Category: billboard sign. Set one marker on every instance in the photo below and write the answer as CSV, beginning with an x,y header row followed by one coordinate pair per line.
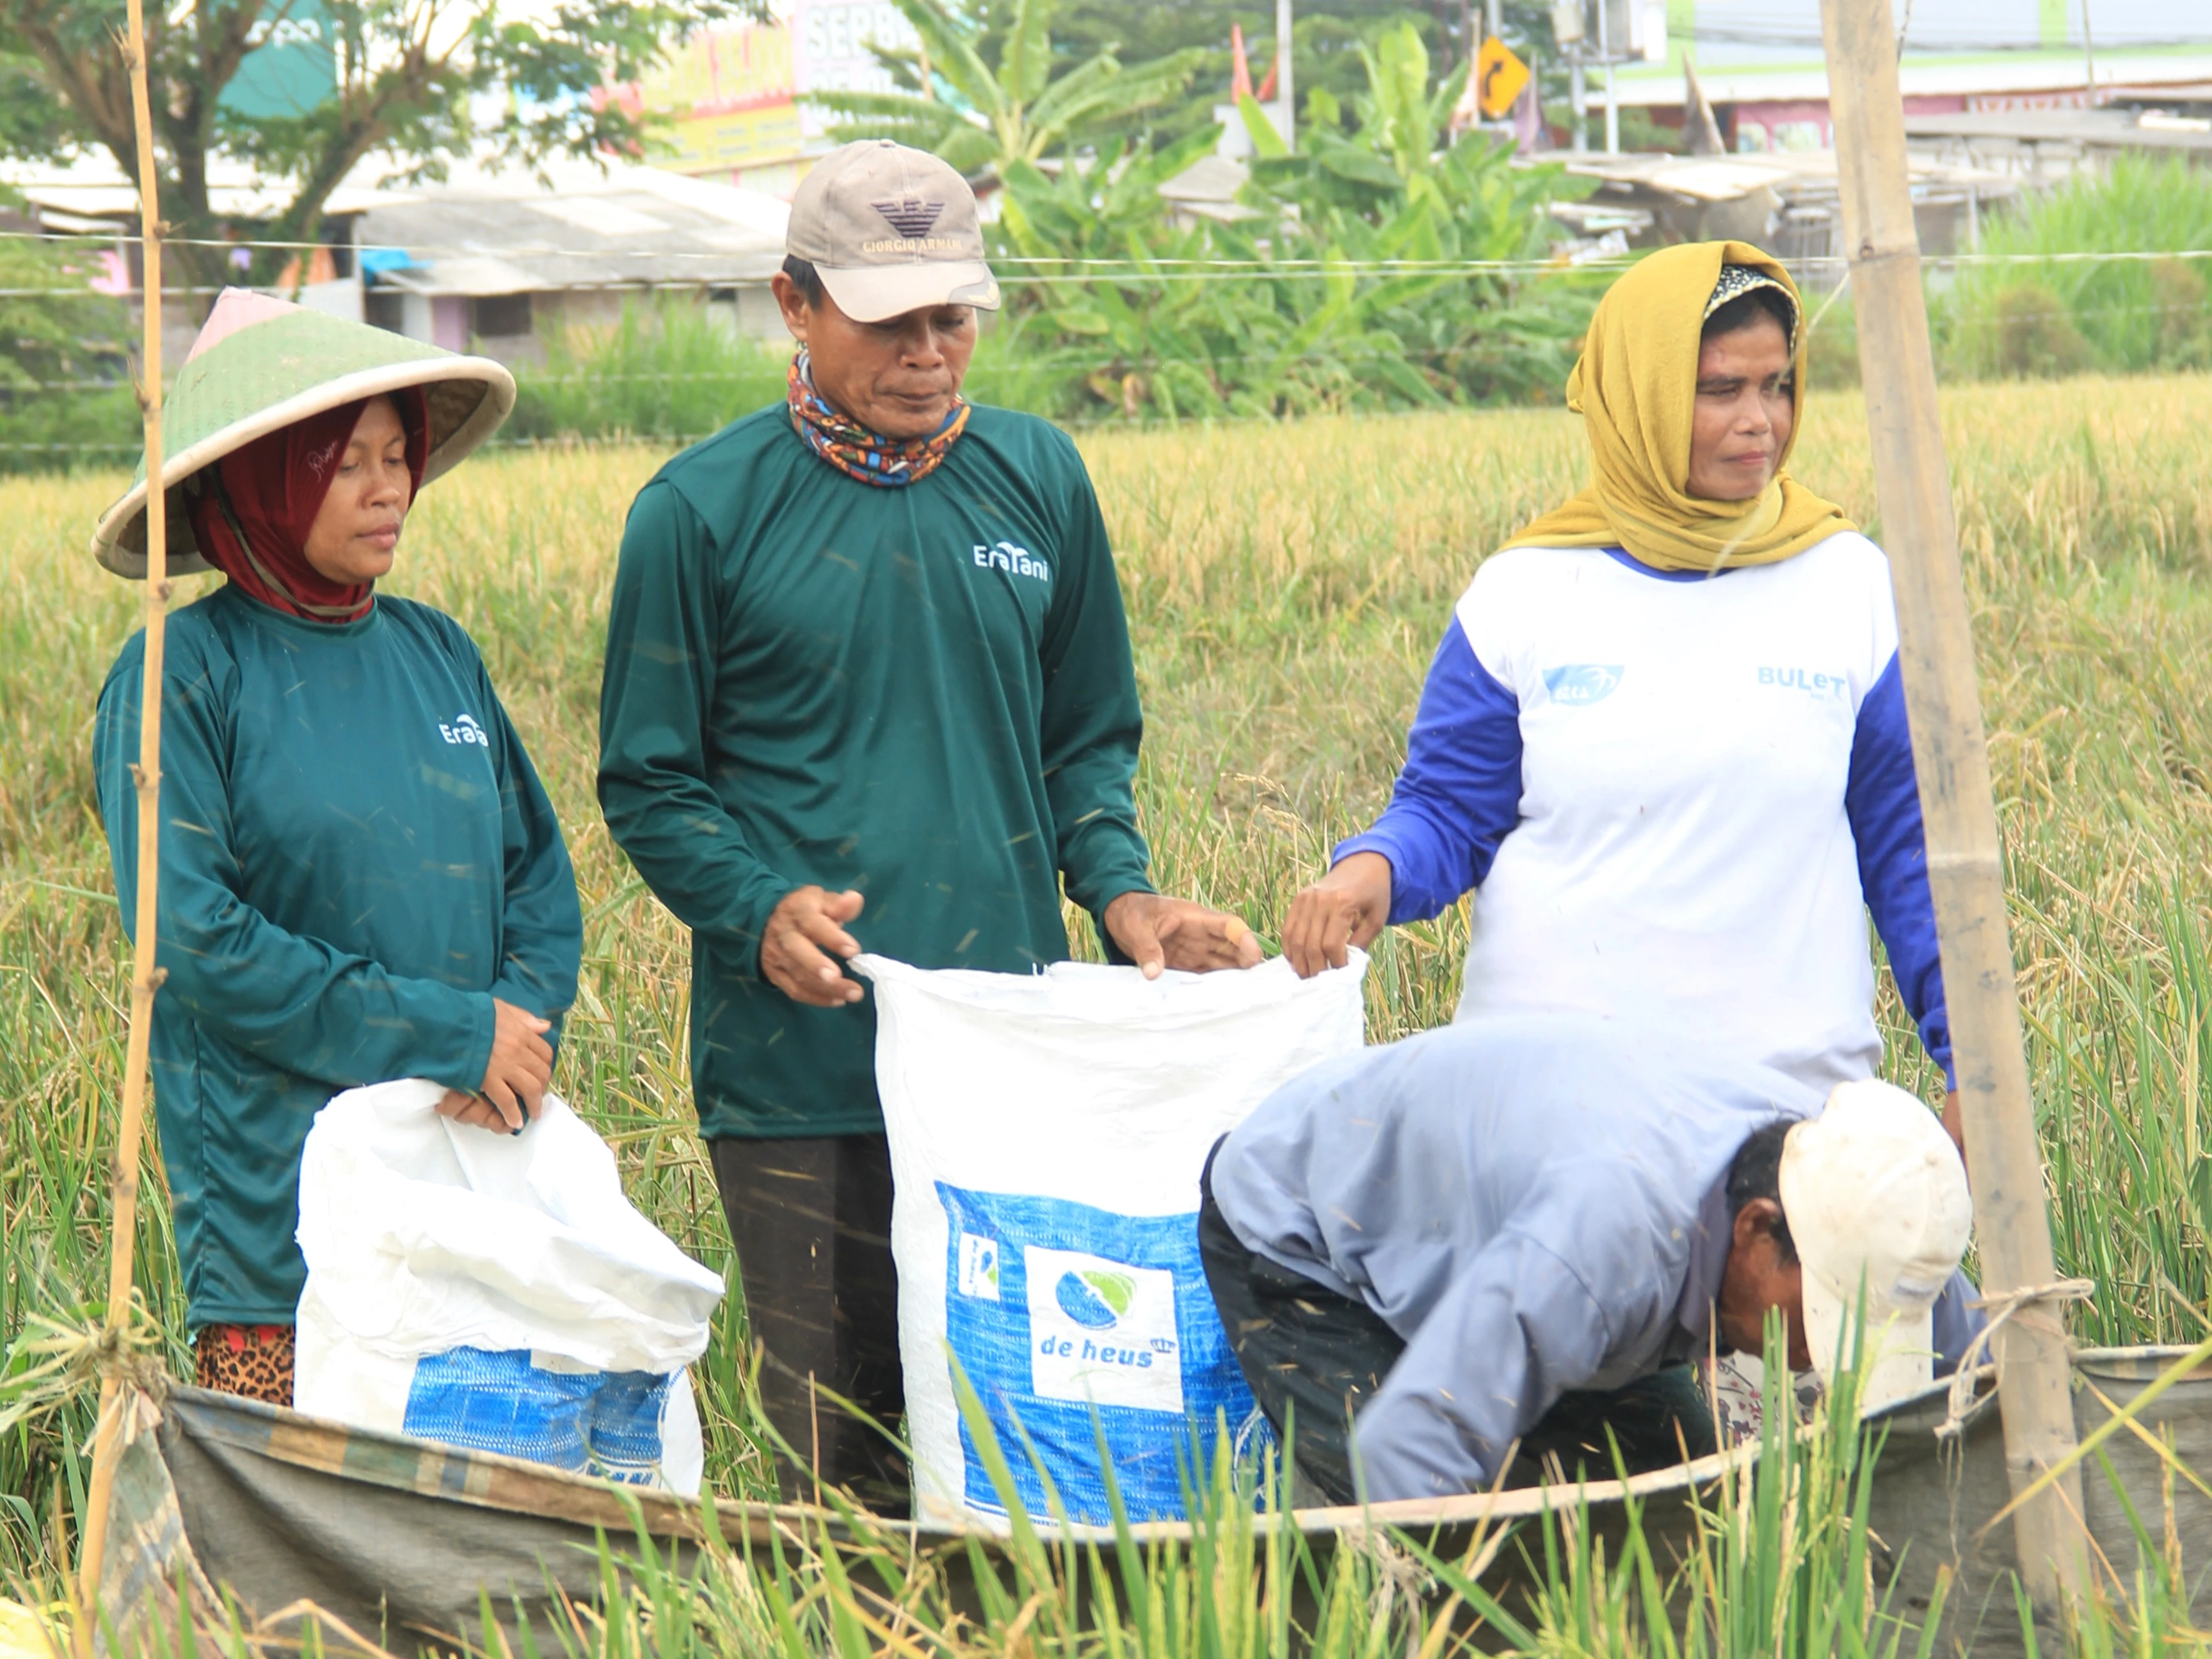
x,y
291,67
832,43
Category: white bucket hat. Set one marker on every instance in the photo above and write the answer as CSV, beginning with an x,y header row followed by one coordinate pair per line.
x,y
1875,1196
260,364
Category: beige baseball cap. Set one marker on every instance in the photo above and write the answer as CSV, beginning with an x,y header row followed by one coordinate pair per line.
x,y
1875,1195
891,230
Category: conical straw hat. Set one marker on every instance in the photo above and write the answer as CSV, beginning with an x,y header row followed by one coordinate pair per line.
x,y
260,364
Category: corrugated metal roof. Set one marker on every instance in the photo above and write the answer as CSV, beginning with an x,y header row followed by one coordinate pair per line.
x,y
480,234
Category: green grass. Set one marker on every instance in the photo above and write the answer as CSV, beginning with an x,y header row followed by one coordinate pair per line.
x,y
1286,585
2045,312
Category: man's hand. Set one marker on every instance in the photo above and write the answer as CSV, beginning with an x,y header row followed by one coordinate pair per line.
x,y
1158,933
1347,906
515,1081
803,934
1954,1124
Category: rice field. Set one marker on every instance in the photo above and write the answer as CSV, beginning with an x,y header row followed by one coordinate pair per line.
x,y
1286,586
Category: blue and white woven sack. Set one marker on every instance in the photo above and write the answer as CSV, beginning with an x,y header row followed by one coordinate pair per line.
x,y
1047,1136
495,1292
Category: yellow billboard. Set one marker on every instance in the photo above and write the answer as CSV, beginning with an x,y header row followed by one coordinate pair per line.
x,y
738,138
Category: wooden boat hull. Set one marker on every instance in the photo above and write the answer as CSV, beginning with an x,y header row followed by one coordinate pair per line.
x,y
401,1541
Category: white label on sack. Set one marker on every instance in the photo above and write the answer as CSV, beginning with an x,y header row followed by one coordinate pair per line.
x,y
979,1266
1102,1331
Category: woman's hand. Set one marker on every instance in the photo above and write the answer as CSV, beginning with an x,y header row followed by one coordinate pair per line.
x,y
1158,933
805,935
473,1110
515,1082
1347,906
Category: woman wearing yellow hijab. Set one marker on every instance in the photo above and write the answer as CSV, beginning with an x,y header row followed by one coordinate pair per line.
x,y
1664,740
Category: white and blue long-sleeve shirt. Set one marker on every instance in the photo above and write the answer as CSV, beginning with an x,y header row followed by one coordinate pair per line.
x,y
1675,797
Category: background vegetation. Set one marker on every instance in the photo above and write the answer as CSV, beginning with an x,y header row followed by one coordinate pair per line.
x,y
1353,283
2048,309
1287,585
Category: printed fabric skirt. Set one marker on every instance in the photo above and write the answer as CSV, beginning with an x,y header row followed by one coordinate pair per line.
x,y
252,1360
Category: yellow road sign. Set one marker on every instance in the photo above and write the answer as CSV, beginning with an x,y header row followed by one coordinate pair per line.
x,y
1499,77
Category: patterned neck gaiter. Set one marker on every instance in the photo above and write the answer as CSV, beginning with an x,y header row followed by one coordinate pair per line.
x,y
889,463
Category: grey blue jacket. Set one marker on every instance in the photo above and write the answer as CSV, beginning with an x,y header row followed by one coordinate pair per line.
x,y
1535,1204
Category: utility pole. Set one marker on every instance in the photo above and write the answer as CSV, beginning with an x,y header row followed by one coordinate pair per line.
x,y
1570,29
1284,88
1966,871
2090,53
1612,103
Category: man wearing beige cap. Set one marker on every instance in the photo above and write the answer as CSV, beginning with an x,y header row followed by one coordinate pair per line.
x,y
1519,1231
867,682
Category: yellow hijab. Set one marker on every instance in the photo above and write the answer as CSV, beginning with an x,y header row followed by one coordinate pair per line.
x,y
1635,387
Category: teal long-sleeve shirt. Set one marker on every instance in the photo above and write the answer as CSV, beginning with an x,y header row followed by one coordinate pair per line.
x,y
923,694
357,859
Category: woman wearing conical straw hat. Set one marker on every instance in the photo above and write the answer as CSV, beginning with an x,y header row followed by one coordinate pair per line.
x,y
361,877
1664,739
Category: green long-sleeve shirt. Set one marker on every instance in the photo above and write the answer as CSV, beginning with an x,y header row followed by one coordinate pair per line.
x,y
356,859
924,694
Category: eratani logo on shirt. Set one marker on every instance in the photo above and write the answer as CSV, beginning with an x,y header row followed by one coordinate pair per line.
x,y
464,729
1016,561
1577,682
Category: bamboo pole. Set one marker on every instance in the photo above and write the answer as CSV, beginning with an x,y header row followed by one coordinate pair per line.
x,y
145,978
1966,870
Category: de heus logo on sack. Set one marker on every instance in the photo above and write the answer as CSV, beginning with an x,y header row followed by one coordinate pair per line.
x,y
1100,1332
979,1266
1577,682
464,729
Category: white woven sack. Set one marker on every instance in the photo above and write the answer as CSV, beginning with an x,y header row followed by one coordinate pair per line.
x,y
1047,1133
495,1292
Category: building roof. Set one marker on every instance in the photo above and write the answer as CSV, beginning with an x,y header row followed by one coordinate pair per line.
x,y
88,192
2091,129
480,234
1209,188
1690,178
2169,74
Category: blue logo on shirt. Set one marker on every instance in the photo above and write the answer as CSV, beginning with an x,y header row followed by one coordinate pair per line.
x,y
1577,682
1805,680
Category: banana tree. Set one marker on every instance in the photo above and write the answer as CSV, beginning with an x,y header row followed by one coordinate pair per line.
x,y
1355,281
992,117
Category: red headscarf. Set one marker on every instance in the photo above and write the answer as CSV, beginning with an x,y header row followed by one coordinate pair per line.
x,y
252,510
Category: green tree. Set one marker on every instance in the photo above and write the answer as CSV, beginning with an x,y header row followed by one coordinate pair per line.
x,y
1328,35
410,79
1013,110
1360,281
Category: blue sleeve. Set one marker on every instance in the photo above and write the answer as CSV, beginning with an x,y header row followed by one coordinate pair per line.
x,y
1882,801
1517,1329
1459,795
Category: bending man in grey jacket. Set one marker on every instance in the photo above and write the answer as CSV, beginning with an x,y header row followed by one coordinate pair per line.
x,y
1522,1230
